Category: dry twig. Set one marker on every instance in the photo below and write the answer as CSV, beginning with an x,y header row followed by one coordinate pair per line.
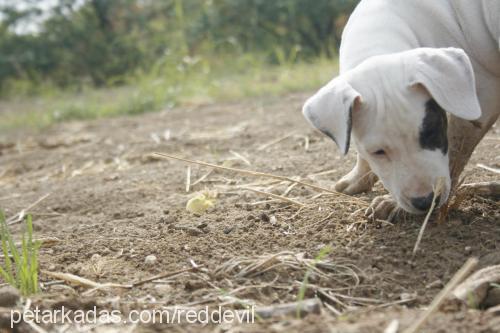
x,y
260,174
80,281
438,300
165,275
188,179
275,196
275,141
20,216
437,193
488,168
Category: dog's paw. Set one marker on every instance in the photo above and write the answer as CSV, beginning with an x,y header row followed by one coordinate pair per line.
x,y
383,207
356,182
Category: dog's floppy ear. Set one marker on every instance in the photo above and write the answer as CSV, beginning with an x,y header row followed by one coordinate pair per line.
x,y
448,76
330,111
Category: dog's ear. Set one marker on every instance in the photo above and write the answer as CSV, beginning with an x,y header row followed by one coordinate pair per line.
x,y
330,111
448,76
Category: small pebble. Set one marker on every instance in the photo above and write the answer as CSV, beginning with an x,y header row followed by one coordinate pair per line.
x,y
435,284
273,220
202,225
9,296
468,249
194,231
407,296
168,219
228,230
150,260
163,288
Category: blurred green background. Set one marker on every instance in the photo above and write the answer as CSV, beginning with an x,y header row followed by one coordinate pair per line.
x,y
79,59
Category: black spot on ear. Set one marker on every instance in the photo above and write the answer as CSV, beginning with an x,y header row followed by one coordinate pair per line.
x,y
348,134
349,129
433,132
328,134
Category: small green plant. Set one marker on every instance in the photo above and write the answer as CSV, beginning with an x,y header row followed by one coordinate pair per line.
x,y
20,268
303,287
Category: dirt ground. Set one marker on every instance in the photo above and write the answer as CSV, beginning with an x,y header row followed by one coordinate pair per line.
x,y
110,205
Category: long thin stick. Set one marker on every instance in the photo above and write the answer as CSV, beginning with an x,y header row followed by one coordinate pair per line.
x,y
188,179
469,265
20,216
80,281
272,195
485,167
202,178
165,275
275,141
437,193
484,188
259,174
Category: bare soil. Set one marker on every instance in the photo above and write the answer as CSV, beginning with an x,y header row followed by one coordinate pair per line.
x,y
111,205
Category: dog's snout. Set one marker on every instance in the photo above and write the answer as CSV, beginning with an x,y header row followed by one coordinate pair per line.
x,y
424,203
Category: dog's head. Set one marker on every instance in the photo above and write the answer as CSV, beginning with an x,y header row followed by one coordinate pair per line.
x,y
395,106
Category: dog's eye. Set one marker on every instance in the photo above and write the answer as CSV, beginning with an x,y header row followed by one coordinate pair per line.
x,y
380,152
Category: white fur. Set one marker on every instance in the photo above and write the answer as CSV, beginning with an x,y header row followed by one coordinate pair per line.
x,y
390,67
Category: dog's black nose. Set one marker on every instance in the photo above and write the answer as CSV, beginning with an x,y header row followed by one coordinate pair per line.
x,y
423,203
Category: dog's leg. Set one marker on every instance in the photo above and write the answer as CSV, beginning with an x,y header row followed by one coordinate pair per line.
x,y
464,139
360,179
465,135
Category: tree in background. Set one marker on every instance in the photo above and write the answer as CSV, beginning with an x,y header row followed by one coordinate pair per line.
x,y
103,42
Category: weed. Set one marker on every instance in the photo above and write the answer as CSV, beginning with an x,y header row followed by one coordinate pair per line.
x,y
21,266
305,282
170,82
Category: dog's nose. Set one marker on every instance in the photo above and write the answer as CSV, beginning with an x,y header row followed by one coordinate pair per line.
x,y
424,203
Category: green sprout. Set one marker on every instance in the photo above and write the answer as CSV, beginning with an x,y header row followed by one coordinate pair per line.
x,y
303,287
20,268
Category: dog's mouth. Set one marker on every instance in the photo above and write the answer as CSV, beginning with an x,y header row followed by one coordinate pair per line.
x,y
407,205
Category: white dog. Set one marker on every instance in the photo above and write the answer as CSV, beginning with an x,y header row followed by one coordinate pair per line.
x,y
405,65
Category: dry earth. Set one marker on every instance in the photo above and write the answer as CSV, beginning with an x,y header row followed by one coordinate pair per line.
x,y
110,205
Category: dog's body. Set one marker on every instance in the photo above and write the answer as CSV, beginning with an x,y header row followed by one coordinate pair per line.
x,y
402,65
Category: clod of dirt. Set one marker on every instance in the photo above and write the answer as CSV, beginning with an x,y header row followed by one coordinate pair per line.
x,y
65,141
190,230
264,217
202,225
163,288
194,285
492,298
168,219
9,296
150,260
492,258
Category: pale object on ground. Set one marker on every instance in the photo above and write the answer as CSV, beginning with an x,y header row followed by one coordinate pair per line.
x,y
474,289
200,203
150,260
